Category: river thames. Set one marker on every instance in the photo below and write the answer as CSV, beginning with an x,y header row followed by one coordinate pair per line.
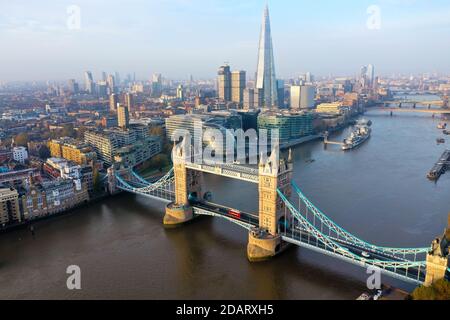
x,y
379,192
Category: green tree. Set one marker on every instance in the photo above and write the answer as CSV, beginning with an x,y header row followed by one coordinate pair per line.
x,y
159,162
96,181
21,139
68,131
440,290
44,152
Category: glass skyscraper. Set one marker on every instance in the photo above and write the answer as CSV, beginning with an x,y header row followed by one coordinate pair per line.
x,y
266,83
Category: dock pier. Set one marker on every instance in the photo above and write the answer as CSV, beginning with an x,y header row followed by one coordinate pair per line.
x,y
327,142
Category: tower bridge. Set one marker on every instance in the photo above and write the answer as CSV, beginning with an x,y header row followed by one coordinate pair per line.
x,y
279,222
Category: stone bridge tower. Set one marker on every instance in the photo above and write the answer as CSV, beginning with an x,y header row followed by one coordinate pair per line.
x,y
265,241
438,259
187,183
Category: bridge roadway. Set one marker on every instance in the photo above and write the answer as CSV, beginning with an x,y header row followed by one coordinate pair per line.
x,y
418,102
352,252
302,238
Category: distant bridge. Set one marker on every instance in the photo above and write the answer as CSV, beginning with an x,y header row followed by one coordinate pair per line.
x,y
437,103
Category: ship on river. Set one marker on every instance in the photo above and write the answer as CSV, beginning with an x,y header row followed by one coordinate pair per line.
x,y
360,135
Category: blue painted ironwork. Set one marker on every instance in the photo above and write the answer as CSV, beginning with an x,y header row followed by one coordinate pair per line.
x,y
308,227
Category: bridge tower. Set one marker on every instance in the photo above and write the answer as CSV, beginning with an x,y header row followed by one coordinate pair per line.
x,y
187,182
438,260
265,241
112,181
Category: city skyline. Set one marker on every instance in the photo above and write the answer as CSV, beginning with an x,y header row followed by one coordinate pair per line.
x,y
323,39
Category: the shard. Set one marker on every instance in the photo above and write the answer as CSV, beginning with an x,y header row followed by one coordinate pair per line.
x,y
266,81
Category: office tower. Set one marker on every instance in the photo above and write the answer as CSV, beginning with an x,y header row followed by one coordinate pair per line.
x,y
73,86
129,101
104,76
309,78
113,101
363,77
180,92
249,98
289,125
128,79
102,88
224,83
302,97
156,85
238,86
123,116
266,83
307,97
117,78
370,75
89,82
280,93
111,84
295,97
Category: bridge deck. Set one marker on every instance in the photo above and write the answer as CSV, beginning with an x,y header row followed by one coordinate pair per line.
x,y
299,231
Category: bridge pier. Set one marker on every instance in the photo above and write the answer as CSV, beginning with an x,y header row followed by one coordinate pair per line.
x,y
265,241
177,215
186,183
438,260
262,246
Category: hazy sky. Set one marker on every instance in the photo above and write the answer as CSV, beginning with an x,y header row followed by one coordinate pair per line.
x,y
182,37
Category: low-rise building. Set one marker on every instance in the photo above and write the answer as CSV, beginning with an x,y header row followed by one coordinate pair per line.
x,y
73,150
332,108
20,154
9,206
138,153
105,144
131,145
53,197
62,168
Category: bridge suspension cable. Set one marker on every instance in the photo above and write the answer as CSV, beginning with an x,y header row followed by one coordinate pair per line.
x,y
400,268
344,235
162,189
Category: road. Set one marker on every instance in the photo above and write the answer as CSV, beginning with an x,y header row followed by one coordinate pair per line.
x,y
302,236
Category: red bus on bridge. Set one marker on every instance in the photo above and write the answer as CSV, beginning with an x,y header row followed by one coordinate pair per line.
x,y
234,213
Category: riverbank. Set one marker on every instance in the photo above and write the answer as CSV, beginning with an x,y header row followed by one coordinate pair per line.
x,y
26,223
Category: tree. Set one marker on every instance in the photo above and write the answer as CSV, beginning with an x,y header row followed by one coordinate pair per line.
x,y
68,131
80,132
21,139
159,161
44,152
440,290
157,131
96,181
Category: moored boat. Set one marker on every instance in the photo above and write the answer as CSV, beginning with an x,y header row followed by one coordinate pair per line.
x,y
361,133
